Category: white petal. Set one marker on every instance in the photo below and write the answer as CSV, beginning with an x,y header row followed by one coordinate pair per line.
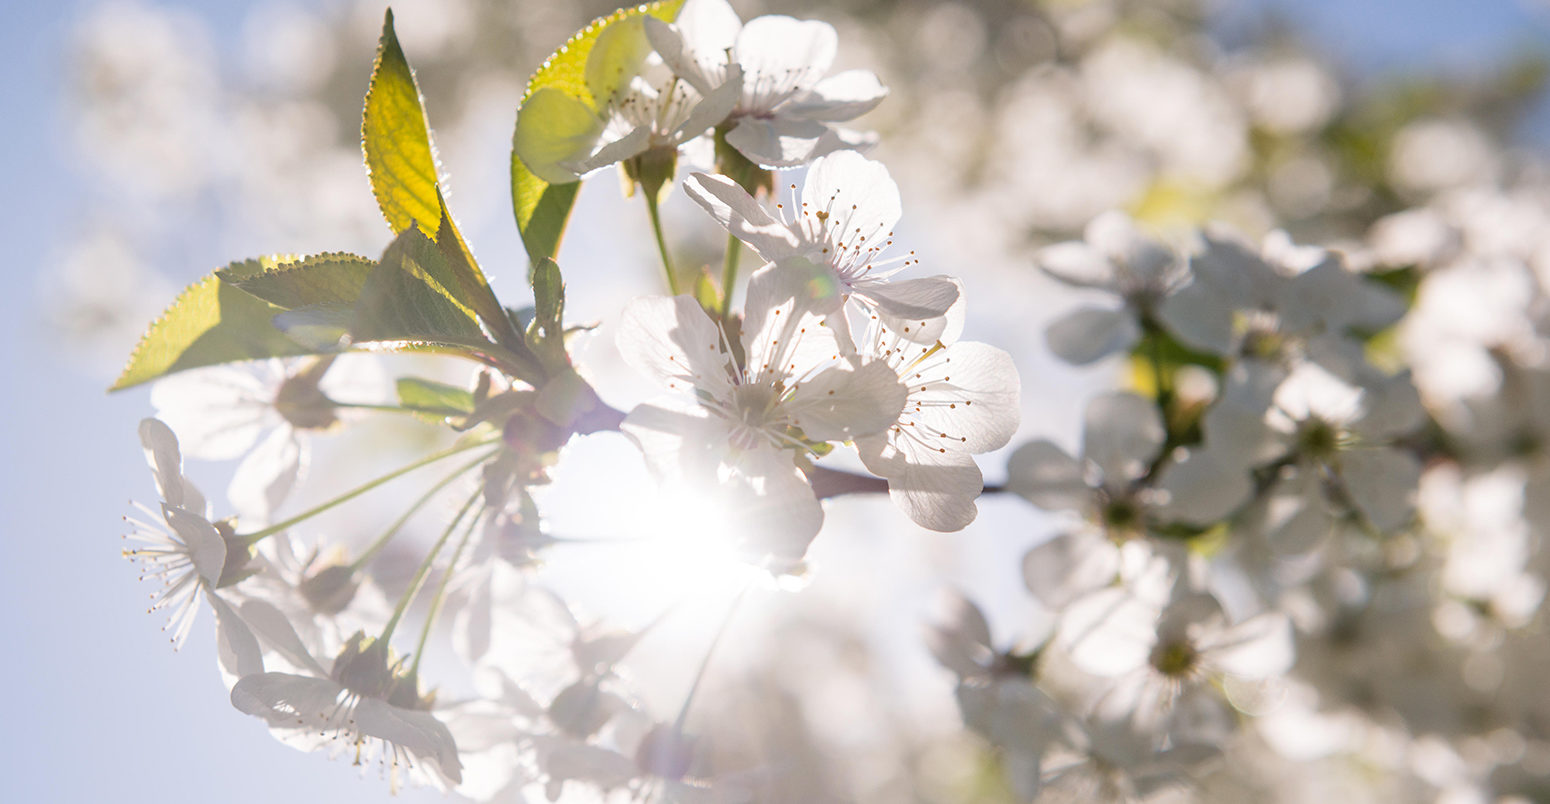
x,y
554,128
672,340
842,403
265,477
1069,566
218,411
1203,487
783,516
161,452
416,731
840,97
1382,482
1109,632
960,639
972,395
1235,272
205,546
1199,317
1122,433
1311,391
1235,425
783,142
236,647
1078,264
1048,477
1294,517
740,214
1393,408
272,628
287,700
1259,647
714,107
1091,333
774,46
632,144
784,330
679,439
936,489
710,26
911,300
682,57
858,197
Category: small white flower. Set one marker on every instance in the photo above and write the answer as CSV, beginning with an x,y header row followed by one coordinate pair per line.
x,y
1112,484
1268,303
842,221
306,603
963,399
1159,653
1115,257
258,411
787,110
737,431
996,693
561,138
187,552
367,705
1323,425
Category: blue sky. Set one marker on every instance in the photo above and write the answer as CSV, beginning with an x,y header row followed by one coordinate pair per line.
x,y
98,707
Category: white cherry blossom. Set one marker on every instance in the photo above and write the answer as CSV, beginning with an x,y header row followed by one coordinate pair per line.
x,y
366,705
736,432
787,111
843,220
963,399
562,138
263,413
1116,257
188,553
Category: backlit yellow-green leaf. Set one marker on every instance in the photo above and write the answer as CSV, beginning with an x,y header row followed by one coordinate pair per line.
x,y
211,322
397,141
294,283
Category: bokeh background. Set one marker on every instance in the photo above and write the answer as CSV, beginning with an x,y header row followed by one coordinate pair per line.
x,y
149,142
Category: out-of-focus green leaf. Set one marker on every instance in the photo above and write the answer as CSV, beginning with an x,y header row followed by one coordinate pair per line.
x,y
211,322
542,209
429,394
295,283
397,141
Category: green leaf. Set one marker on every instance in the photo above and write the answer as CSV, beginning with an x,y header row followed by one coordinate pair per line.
x,y
414,295
397,141
296,283
211,322
549,298
417,393
472,285
542,209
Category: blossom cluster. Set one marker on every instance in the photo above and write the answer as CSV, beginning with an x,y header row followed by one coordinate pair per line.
x,y
1304,532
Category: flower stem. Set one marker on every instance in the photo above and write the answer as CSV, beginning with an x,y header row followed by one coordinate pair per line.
x,y
441,590
699,675
425,567
382,540
434,411
656,228
254,538
729,273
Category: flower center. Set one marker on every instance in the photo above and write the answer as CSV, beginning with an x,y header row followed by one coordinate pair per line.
x,y
1175,658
